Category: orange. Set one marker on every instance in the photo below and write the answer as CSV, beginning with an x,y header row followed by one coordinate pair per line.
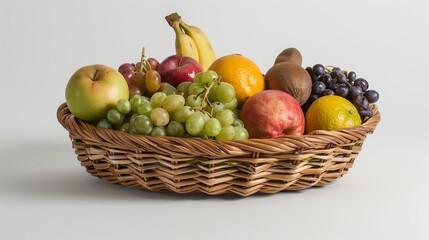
x,y
240,72
331,113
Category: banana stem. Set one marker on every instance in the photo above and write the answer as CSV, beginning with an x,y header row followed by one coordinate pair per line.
x,y
174,17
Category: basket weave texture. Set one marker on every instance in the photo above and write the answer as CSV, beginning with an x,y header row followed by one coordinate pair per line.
x,y
245,167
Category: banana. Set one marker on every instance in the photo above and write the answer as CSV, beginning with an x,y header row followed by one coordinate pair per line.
x,y
206,53
185,45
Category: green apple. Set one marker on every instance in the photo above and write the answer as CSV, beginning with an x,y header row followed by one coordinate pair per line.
x,y
93,90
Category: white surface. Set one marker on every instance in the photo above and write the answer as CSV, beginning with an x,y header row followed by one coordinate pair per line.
x,y
46,194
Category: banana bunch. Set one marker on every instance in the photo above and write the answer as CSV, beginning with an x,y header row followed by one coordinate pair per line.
x,y
191,41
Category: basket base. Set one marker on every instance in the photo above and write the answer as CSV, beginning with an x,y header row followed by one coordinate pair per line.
x,y
159,173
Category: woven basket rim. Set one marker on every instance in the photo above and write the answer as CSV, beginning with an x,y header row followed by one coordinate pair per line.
x,y
210,148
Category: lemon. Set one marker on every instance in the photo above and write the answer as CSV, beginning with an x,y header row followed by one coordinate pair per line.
x,y
331,113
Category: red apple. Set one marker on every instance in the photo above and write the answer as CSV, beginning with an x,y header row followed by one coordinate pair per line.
x,y
272,113
177,69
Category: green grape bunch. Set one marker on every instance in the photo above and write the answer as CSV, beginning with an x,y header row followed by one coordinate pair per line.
x,y
205,108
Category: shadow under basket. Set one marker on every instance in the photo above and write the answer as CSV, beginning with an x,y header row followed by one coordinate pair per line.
x,y
244,167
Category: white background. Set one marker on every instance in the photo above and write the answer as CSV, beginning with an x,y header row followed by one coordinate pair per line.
x,y
46,194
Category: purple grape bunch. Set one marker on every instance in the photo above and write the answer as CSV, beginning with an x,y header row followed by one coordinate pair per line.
x,y
334,81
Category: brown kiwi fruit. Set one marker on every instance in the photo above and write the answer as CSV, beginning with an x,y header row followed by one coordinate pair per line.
x,y
291,78
289,55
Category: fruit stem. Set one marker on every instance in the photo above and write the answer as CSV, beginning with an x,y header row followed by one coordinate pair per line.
x,y
95,75
206,93
142,59
144,64
180,60
174,17
329,68
205,98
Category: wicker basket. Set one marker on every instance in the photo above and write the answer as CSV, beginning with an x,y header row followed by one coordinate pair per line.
x,y
185,165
